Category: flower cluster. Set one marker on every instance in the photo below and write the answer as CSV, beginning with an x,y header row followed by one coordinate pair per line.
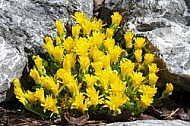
x,y
90,72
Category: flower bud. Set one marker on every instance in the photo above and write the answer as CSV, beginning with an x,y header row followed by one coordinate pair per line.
x,y
168,91
169,88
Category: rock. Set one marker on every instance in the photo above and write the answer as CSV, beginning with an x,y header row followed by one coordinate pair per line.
x,y
24,23
11,60
166,23
98,5
151,123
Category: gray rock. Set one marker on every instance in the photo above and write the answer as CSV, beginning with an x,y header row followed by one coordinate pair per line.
x,y
10,60
166,23
152,123
24,23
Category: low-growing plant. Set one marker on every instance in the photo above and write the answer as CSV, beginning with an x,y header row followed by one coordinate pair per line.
x,y
90,72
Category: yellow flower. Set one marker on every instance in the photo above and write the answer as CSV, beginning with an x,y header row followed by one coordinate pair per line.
x,y
127,67
74,87
106,61
69,61
153,68
169,88
68,44
38,62
48,82
109,43
90,80
116,18
39,94
58,40
16,82
115,101
97,24
72,58
94,97
76,30
113,77
129,39
65,75
23,100
118,87
137,78
18,91
147,90
146,100
139,42
80,103
104,76
67,65
82,46
17,88
79,17
148,58
104,83
152,79
114,53
138,55
96,39
107,77
109,32
30,97
60,28
58,53
84,63
48,40
50,104
97,66
49,44
55,88
96,54
86,26
45,81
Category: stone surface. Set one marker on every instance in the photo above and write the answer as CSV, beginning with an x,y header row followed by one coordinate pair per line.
x,y
24,23
166,23
10,60
151,123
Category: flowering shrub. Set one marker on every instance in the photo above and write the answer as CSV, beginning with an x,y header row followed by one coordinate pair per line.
x,y
90,72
